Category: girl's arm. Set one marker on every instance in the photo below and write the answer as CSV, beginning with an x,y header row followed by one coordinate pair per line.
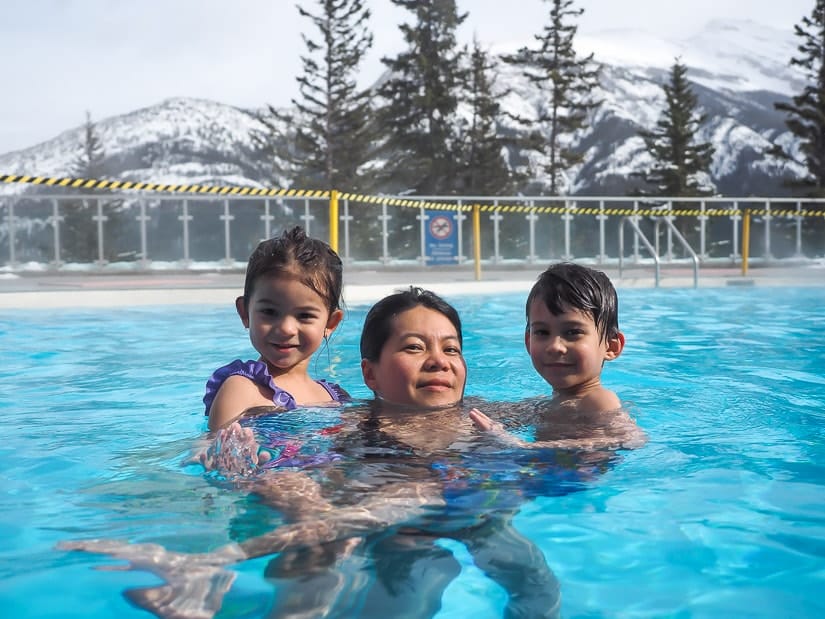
x,y
236,395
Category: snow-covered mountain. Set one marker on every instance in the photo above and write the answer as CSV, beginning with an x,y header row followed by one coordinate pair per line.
x,y
739,70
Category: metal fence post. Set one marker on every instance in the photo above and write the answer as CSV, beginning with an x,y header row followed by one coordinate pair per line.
x,y
768,219
226,218
185,218
459,217
143,218
100,218
384,217
307,217
346,218
55,221
531,218
496,217
267,219
567,217
422,230
602,218
735,217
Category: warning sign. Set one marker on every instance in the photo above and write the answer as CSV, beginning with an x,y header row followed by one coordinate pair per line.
x,y
441,227
442,238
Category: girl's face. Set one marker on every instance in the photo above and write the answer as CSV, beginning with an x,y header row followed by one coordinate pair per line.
x,y
287,322
421,364
566,349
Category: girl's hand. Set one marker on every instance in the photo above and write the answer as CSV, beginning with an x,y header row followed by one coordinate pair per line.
x,y
233,452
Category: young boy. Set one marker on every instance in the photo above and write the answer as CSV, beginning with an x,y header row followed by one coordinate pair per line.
x,y
572,329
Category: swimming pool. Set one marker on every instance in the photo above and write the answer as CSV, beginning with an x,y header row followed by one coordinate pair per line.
x,y
722,514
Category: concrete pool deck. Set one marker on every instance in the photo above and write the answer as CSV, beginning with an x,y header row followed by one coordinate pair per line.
x,y
361,285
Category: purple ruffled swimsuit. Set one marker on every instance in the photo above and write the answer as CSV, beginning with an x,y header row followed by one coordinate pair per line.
x,y
258,373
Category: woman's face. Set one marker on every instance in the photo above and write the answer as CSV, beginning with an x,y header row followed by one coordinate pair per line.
x,y
421,364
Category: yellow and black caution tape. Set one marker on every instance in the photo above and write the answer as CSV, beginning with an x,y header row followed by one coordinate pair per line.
x,y
82,183
89,183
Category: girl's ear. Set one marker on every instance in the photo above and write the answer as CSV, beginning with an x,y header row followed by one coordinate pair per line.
x,y
368,374
243,312
333,321
614,347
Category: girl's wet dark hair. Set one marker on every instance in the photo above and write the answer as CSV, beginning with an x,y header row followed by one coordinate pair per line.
x,y
311,261
378,323
565,285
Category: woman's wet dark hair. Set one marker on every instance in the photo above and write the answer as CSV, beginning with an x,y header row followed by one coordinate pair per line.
x,y
565,285
378,323
311,261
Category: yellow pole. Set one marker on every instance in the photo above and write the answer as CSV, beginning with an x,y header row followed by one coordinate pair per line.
x,y
477,240
746,240
333,220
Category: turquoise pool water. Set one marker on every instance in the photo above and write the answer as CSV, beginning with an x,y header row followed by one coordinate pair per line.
x,y
722,514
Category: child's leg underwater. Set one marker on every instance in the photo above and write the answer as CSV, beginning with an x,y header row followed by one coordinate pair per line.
x,y
409,575
515,563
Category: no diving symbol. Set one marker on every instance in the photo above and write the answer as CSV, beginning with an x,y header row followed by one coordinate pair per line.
x,y
441,227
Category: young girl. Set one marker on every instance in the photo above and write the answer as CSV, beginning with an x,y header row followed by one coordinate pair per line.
x,y
290,304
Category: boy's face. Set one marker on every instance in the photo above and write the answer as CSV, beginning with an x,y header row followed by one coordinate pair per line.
x,y
566,349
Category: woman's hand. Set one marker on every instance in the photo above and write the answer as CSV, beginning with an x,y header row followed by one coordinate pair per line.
x,y
483,422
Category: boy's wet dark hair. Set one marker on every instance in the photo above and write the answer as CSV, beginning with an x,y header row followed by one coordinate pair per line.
x,y
309,260
378,323
565,286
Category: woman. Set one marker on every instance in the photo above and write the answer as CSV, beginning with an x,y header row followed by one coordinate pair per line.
x,y
402,483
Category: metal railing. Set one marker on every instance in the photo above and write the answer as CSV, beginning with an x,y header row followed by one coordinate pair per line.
x,y
142,229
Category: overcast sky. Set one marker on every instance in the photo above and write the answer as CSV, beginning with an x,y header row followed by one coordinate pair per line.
x,y
63,57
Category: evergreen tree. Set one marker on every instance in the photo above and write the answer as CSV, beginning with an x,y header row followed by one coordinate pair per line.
x,y
485,170
89,161
806,111
566,83
421,144
680,164
326,141
78,229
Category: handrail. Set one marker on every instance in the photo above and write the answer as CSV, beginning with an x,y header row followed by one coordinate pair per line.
x,y
684,243
635,226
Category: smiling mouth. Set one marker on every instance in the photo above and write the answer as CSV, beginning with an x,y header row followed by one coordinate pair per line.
x,y
435,385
